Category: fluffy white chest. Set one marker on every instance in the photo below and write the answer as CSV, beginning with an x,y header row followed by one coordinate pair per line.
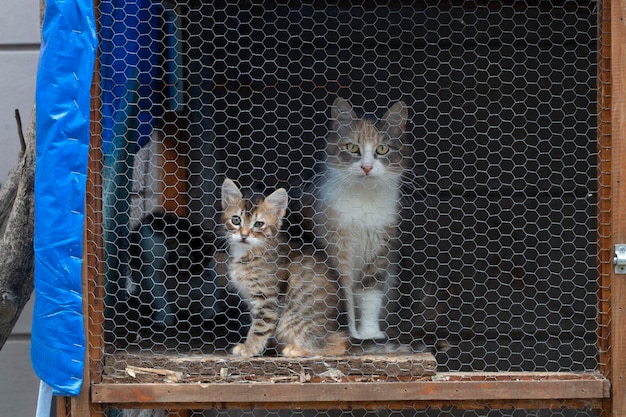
x,y
368,208
364,215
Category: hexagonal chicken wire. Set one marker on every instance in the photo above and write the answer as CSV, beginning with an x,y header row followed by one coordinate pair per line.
x,y
498,228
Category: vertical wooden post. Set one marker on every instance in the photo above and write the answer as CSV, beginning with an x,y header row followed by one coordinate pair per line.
x,y
618,204
80,405
93,281
605,251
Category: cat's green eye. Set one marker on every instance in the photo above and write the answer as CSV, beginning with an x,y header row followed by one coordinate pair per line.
x,y
352,147
259,224
382,149
236,220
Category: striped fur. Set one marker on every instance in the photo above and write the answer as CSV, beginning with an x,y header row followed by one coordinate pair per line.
x,y
357,208
292,296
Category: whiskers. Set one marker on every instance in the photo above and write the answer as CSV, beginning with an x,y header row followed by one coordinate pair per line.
x,y
221,243
412,182
339,178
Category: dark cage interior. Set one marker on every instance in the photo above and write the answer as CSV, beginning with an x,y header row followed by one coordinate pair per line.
x,y
498,218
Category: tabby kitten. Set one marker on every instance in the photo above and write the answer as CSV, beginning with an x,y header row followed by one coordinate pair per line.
x,y
290,294
357,208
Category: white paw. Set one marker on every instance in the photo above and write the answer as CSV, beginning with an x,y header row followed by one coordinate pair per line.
x,y
371,331
242,351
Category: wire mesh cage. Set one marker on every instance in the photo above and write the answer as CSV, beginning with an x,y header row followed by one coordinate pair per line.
x,y
491,108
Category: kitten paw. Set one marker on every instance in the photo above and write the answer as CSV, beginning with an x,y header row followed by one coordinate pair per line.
x,y
242,350
292,351
371,334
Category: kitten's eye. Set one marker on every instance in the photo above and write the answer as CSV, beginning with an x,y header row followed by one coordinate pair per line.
x,y
382,149
259,224
352,148
236,220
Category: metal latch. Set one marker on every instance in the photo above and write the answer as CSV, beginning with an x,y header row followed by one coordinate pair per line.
x,y
620,259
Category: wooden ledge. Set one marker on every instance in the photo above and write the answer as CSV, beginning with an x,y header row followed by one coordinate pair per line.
x,y
152,380
550,390
177,368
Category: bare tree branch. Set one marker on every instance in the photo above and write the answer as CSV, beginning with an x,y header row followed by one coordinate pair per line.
x,y
9,189
20,131
17,233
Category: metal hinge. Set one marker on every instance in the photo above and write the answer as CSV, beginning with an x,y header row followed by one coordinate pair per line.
x,y
620,259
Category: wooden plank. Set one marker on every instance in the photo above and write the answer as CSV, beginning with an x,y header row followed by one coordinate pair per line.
x,y
605,249
443,387
80,405
618,202
93,281
410,405
155,368
62,407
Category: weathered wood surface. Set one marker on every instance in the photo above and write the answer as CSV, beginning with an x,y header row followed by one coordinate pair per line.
x,y
617,348
17,234
154,368
477,390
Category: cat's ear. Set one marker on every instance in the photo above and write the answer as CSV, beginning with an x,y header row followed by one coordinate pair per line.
x,y
230,194
342,116
395,119
277,202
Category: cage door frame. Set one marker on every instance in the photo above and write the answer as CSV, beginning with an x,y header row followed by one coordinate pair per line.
x,y
607,392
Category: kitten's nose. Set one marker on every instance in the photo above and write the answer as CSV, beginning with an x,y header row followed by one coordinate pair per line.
x,y
367,169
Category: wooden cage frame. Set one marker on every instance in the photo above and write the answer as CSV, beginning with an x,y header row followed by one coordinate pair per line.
x,y
604,389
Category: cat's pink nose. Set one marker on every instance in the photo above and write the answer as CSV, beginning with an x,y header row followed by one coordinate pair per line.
x,y
367,169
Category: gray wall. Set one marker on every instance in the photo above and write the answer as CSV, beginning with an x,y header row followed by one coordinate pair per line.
x,y
19,52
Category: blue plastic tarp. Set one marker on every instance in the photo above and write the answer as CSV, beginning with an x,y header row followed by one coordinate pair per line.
x,y
64,77
139,65
139,76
